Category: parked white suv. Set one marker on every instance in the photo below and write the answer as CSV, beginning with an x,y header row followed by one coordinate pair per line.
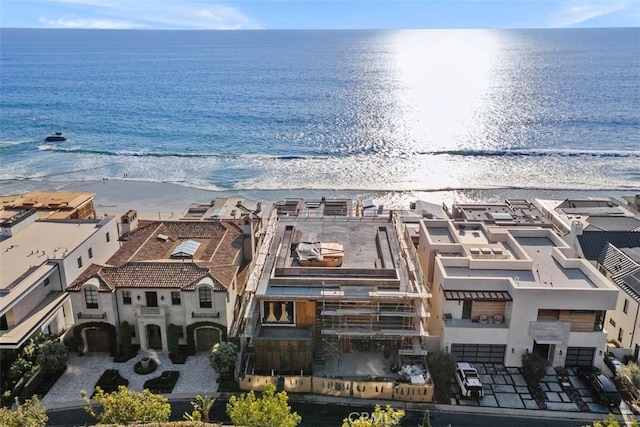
x,y
468,380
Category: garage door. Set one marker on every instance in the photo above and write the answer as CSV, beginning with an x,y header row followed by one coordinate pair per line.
x,y
97,340
479,353
206,338
579,356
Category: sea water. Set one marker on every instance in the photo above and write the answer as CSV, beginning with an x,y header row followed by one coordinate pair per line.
x,y
396,112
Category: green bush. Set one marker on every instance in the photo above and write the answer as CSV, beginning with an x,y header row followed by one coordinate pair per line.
x,y
126,347
442,368
172,338
52,357
534,367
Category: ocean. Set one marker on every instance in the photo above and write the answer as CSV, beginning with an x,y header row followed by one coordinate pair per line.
x,y
394,114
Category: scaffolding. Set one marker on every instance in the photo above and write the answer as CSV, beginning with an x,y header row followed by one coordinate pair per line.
x,y
366,318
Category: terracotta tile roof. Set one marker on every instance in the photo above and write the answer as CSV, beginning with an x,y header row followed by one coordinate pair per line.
x,y
220,240
144,260
92,271
175,275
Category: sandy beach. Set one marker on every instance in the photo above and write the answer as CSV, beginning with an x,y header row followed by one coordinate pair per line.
x,y
155,200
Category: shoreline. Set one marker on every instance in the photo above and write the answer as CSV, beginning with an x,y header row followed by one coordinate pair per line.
x,y
171,200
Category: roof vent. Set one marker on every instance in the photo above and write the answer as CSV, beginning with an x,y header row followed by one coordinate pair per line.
x,y
163,237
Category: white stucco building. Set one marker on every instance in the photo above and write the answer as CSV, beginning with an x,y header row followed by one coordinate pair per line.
x,y
38,259
499,291
180,273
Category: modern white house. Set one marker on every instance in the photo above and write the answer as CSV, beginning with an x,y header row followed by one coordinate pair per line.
x,y
606,232
501,290
181,274
622,266
38,259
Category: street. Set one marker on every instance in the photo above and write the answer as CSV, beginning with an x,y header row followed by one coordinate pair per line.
x,y
324,415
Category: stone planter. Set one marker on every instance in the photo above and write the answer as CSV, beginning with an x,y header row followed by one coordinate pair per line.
x,y
144,363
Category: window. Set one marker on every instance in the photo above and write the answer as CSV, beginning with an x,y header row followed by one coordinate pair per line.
x,y
108,237
620,335
625,308
80,262
90,252
175,298
612,322
91,297
46,281
126,297
204,295
133,331
278,312
180,330
4,326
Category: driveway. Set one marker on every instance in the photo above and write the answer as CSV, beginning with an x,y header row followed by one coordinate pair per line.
x,y
506,388
196,376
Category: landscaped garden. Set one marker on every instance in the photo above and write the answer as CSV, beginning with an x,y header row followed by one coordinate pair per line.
x,y
33,370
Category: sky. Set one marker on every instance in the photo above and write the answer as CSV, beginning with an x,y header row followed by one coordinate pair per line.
x,y
317,14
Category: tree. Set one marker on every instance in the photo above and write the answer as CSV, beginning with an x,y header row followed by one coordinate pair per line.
x,y
442,368
29,414
426,420
610,422
534,367
270,410
124,406
387,417
201,408
223,358
52,356
629,377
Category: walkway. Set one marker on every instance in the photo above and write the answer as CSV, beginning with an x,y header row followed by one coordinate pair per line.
x,y
196,376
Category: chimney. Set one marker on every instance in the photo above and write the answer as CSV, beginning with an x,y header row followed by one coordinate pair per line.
x,y
129,222
572,237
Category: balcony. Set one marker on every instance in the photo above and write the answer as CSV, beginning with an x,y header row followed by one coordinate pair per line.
x,y
82,315
151,312
468,323
205,315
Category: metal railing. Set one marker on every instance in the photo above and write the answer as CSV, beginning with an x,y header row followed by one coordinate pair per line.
x,y
196,314
82,315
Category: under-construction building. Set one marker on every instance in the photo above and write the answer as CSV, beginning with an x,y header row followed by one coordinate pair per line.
x,y
332,283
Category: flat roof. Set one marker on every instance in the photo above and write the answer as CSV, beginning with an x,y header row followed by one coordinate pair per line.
x,y
371,256
16,336
47,200
440,234
33,246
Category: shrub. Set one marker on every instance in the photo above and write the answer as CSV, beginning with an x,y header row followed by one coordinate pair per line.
x,y
172,338
223,358
269,410
125,406
442,368
52,357
110,381
534,367
126,348
28,414
163,384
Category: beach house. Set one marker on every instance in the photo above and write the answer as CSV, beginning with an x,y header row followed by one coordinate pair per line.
x,y
180,276
38,259
504,283
334,282
606,232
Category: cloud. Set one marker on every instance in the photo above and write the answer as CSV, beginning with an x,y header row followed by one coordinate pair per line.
x,y
578,12
90,23
225,17
184,14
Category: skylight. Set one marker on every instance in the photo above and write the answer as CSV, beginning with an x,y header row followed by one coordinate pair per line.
x,y
186,249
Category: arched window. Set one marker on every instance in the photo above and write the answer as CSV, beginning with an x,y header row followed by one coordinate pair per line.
x,y
91,297
204,295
